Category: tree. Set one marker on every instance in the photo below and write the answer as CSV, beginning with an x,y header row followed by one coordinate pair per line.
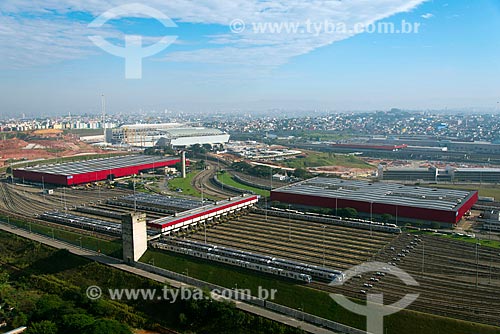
x,y
386,218
43,327
4,278
201,164
435,225
300,173
107,326
348,212
178,166
20,320
76,323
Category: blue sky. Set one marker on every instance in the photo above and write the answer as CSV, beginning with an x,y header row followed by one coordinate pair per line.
x,y
49,66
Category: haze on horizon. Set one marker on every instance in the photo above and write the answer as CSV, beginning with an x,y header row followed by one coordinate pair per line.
x,y
49,65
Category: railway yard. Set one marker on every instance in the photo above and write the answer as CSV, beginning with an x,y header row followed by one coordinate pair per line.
x,y
447,285
456,279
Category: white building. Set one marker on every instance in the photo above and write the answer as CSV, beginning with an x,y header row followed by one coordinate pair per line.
x,y
167,134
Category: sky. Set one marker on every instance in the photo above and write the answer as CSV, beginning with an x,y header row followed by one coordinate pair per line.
x,y
229,55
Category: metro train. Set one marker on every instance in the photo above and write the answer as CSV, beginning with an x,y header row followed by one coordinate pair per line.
x,y
237,262
83,222
308,269
337,220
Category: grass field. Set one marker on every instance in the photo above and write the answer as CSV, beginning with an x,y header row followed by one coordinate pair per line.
x,y
319,159
484,243
228,180
184,184
298,295
112,248
484,190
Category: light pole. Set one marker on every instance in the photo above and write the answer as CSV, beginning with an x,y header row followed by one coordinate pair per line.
x,y
80,240
324,233
491,259
271,175
371,218
396,214
205,226
265,206
289,223
336,206
135,197
423,257
477,263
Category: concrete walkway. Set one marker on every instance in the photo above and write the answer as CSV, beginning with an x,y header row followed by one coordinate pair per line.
x,y
118,264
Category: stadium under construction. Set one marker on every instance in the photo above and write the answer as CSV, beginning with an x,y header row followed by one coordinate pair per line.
x,y
403,202
75,173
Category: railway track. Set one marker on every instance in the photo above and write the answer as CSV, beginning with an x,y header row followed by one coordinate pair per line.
x,y
447,287
204,180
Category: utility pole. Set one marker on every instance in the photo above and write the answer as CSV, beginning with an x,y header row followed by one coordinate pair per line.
x,y
423,257
477,263
289,223
491,259
265,206
201,183
205,226
135,197
324,251
103,108
271,174
371,218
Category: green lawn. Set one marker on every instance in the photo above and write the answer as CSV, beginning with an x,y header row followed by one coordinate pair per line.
x,y
485,243
298,295
484,190
112,248
184,184
319,159
227,179
187,187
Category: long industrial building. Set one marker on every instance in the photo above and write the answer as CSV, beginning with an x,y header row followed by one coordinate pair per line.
x,y
203,214
173,135
74,173
404,202
433,174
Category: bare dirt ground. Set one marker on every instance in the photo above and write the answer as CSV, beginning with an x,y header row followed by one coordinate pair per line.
x,y
40,147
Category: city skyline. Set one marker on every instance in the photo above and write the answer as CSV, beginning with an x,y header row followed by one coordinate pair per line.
x,y
50,66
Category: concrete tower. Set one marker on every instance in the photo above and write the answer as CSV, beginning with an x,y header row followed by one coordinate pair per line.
x,y
135,238
183,164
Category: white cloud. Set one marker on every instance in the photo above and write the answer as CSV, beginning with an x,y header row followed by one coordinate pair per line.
x,y
40,32
428,16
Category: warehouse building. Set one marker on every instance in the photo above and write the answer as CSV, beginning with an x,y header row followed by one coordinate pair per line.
x,y
433,174
74,173
408,174
173,135
404,202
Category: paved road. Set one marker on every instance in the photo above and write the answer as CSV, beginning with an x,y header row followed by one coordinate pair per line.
x,y
115,263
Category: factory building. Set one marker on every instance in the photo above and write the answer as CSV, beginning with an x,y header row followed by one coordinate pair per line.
x,y
404,202
408,174
74,173
173,135
433,174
